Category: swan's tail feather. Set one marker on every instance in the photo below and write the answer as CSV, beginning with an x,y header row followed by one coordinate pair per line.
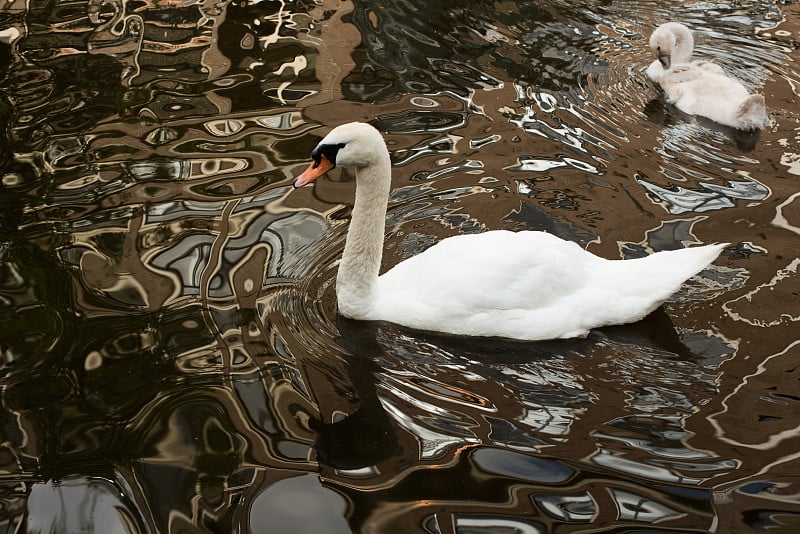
x,y
752,113
628,290
661,274
694,259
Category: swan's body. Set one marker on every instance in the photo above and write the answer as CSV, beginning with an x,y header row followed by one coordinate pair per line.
x,y
521,285
701,87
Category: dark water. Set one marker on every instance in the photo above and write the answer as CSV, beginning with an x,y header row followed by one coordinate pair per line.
x,y
171,356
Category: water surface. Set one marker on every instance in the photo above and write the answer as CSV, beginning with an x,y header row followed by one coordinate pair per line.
x,y
172,360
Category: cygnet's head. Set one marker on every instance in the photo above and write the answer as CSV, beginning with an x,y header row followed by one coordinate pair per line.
x,y
672,44
355,144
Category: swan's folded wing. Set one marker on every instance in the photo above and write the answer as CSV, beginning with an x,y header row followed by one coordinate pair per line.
x,y
482,283
708,66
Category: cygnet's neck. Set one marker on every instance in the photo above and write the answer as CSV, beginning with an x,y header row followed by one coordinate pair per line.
x,y
684,46
358,271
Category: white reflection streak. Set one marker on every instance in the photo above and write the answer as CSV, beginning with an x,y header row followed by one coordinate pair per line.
x,y
780,220
278,17
487,407
426,406
792,161
296,66
775,439
551,420
494,524
615,462
781,275
432,443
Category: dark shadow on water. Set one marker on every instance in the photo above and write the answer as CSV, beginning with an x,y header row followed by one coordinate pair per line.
x,y
366,436
655,332
662,113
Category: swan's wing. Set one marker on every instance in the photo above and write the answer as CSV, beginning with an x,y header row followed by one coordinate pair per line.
x,y
712,95
684,72
492,269
708,66
484,276
674,94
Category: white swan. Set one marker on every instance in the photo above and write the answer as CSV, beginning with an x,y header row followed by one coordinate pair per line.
x,y
701,87
521,285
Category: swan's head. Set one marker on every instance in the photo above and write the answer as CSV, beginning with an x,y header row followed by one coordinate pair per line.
x,y
355,144
672,43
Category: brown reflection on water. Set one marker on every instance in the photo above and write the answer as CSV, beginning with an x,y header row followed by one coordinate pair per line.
x,y
172,360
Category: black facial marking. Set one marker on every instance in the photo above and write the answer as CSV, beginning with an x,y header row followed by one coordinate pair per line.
x,y
329,151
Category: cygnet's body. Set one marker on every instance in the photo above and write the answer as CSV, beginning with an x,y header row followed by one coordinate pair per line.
x,y
701,87
521,285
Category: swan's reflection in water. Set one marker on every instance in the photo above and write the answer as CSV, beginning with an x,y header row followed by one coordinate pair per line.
x,y
375,434
427,393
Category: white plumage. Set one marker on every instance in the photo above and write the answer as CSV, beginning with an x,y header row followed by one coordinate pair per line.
x,y
521,285
701,87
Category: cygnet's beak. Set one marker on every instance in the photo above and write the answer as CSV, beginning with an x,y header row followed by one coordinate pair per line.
x,y
314,171
664,59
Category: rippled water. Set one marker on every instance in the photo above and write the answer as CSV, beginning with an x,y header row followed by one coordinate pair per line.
x,y
172,360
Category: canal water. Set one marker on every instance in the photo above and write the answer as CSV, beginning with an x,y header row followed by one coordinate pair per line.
x,y
171,356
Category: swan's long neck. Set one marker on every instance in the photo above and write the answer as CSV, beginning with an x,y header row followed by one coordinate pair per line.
x,y
684,46
358,271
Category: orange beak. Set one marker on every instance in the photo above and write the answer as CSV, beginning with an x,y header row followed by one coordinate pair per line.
x,y
314,171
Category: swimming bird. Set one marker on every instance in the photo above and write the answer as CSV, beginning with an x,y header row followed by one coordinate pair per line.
x,y
701,87
526,285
